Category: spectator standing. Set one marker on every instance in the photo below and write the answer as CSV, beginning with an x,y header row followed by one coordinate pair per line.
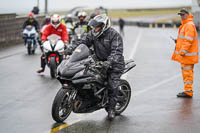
x,y
186,51
121,26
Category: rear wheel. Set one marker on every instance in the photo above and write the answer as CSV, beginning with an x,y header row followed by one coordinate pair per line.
x,y
123,97
53,67
62,105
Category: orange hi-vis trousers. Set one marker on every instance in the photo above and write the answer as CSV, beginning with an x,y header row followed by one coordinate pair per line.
x,y
187,72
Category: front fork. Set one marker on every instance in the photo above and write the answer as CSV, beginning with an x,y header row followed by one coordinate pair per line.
x,y
72,95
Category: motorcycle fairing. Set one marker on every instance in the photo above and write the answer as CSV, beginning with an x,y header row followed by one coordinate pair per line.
x,y
129,64
75,63
59,46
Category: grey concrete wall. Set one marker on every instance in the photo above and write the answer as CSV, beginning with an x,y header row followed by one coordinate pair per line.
x,y
11,28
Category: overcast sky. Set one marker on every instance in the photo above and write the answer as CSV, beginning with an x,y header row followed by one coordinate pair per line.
x,y
24,6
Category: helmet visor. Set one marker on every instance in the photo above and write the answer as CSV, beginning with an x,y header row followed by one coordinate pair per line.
x,y
94,23
55,23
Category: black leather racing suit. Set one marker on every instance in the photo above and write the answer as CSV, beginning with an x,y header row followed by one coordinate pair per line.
x,y
109,47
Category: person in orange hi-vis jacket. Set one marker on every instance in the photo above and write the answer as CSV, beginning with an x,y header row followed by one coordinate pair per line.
x,y
186,51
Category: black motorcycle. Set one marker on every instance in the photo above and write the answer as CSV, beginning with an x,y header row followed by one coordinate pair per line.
x,y
84,82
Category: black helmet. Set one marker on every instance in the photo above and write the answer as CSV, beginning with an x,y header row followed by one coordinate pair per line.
x,y
102,21
92,15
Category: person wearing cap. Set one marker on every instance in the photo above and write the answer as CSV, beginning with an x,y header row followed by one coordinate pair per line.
x,y
186,51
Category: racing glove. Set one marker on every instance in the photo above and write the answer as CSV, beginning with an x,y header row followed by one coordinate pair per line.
x,y
68,51
106,64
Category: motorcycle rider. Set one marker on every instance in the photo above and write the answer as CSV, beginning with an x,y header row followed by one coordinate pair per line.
x,y
55,27
82,22
68,20
108,47
31,21
70,26
46,21
43,26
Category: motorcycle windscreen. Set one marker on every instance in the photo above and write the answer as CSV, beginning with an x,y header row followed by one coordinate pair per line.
x,y
69,67
80,53
79,31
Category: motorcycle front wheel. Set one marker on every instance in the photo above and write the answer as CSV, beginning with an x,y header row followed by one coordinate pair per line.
x,y
53,67
62,106
29,48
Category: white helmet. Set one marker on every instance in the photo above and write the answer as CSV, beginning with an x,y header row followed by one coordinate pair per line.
x,y
82,13
102,21
69,15
55,20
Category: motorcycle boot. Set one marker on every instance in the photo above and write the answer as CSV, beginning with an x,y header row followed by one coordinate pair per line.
x,y
40,70
43,64
183,95
111,114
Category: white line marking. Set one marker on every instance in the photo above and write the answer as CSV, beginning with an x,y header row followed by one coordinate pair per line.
x,y
136,44
167,36
134,50
132,56
3,57
157,85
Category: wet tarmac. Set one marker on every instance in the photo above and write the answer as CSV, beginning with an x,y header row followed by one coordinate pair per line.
x,y
26,97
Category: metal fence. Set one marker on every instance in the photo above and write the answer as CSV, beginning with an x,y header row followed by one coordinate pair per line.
x,y
11,28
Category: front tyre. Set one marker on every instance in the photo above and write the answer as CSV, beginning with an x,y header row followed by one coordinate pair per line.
x,y
62,105
53,67
123,97
29,48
